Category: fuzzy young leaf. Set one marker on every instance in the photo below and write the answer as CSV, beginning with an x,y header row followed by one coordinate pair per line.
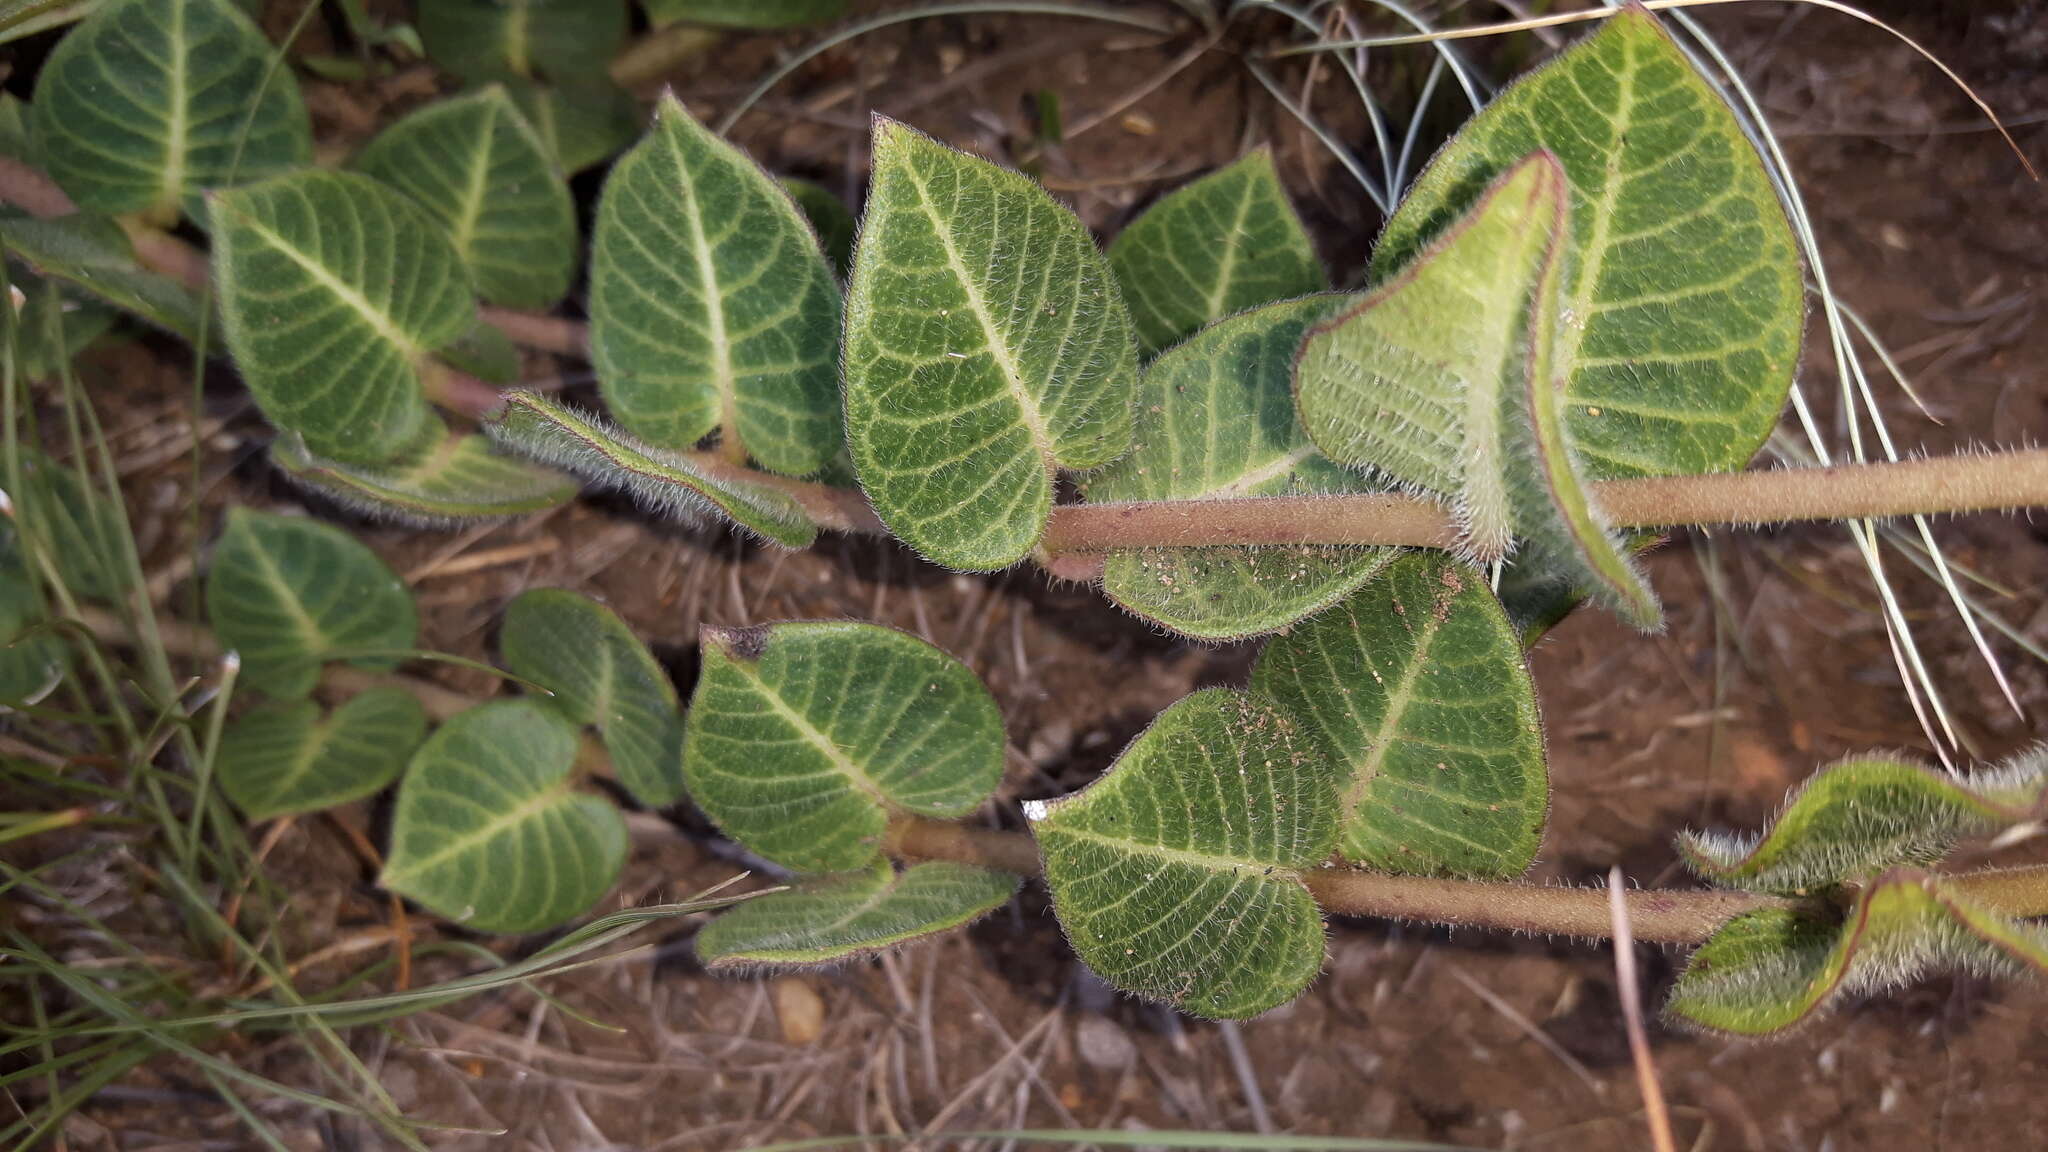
x,y
1444,379
753,14
1862,816
476,166
582,120
287,592
986,346
1769,970
334,290
803,738
1215,420
92,253
1227,242
1681,289
711,306
488,832
148,103
601,674
830,221
549,40
1416,689
537,427
1177,874
833,918
461,479
286,757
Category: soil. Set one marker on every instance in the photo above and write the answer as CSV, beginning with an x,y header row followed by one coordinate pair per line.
x,y
1774,662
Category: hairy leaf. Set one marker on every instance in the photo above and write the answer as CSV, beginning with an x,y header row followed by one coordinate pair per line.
x,y
1415,688
1215,419
986,346
1227,242
1681,296
334,289
535,426
286,757
488,831
753,14
1177,874
92,253
1444,380
1769,970
601,674
548,40
1862,816
832,918
476,166
147,103
711,306
286,593
582,120
802,738
463,478
830,221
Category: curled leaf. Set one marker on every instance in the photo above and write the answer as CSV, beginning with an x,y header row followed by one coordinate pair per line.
x,y
833,918
463,478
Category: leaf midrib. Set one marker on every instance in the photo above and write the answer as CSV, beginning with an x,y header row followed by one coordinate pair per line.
x,y
1244,482
1227,267
176,124
855,775
525,810
1203,860
714,298
472,207
1398,701
1595,249
316,638
385,325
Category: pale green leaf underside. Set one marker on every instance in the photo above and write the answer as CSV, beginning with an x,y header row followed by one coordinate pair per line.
x,y
830,221
1177,874
92,253
536,427
286,757
462,478
1215,420
474,164
1444,380
711,306
833,918
1857,818
751,14
986,345
1416,689
147,103
487,831
1769,970
1227,242
1682,289
549,40
802,738
334,289
601,674
285,592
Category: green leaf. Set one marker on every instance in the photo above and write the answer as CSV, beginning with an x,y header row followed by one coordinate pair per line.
x,y
751,14
673,485
582,120
33,657
986,346
1227,242
1215,419
1859,817
485,352
1177,874
46,348
833,918
711,307
803,738
1443,380
1416,689
15,137
1766,971
830,221
92,253
85,532
148,103
547,40
286,757
286,592
1681,285
463,478
601,674
487,830
476,166
334,289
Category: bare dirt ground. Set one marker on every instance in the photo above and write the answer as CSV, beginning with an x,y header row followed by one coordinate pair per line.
x,y
1774,662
